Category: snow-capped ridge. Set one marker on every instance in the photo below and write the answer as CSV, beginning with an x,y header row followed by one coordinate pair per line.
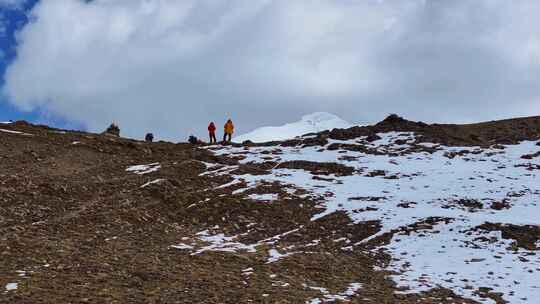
x,y
319,117
311,123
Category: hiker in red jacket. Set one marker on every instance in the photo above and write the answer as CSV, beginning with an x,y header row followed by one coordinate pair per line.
x,y
212,132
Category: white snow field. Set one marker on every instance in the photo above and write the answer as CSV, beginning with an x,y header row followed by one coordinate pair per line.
x,y
311,123
414,186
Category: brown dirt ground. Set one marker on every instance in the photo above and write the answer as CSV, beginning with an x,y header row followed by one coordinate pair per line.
x,y
84,231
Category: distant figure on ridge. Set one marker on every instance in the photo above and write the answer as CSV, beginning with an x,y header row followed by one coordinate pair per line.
x,y
212,132
113,129
229,130
149,137
193,140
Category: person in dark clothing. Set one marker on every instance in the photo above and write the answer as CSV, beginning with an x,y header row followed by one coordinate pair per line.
x,y
193,140
149,137
212,133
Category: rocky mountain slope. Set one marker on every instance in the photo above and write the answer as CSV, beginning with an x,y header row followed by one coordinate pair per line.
x,y
399,212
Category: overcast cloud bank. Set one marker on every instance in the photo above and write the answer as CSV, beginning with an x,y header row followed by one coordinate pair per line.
x,y
171,66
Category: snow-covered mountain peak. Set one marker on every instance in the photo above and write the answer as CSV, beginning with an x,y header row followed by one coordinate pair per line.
x,y
311,123
319,117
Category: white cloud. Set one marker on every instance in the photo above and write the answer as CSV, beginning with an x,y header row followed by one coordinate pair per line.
x,y
170,66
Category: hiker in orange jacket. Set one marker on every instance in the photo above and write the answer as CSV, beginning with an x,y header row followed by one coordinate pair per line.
x,y
212,132
228,131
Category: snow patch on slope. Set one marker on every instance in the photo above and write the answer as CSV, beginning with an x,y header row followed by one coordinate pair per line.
x,y
418,186
144,169
11,286
327,297
312,123
15,132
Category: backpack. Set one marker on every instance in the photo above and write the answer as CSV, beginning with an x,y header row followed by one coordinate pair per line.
x,y
113,129
193,140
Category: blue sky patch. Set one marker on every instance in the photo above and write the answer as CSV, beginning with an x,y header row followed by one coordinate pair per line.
x,y
12,19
